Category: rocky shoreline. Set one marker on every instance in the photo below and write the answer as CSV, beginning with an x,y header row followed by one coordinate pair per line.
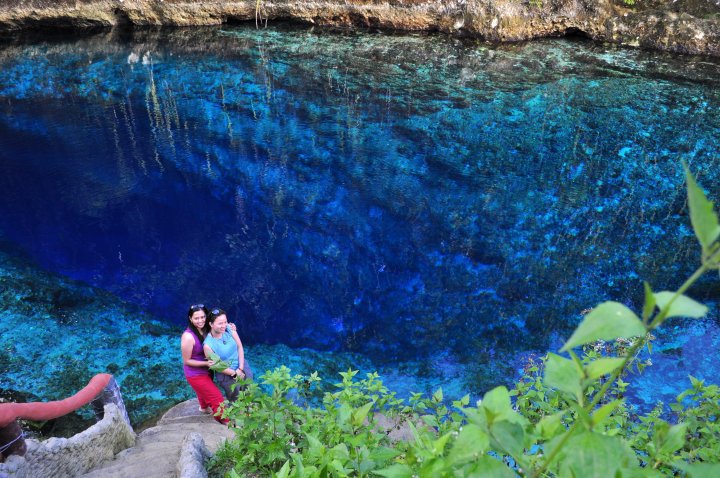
x,y
681,26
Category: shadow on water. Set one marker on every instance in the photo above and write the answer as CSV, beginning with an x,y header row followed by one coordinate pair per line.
x,y
403,196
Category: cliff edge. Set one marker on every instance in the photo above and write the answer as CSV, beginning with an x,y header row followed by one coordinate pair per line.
x,y
681,26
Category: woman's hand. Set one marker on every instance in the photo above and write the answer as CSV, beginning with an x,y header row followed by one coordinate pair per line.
x,y
232,327
210,362
234,373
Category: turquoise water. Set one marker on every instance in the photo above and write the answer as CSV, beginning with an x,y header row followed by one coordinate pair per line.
x,y
442,207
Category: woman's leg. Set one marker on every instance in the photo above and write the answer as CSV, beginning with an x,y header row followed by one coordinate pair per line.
x,y
208,394
225,382
248,370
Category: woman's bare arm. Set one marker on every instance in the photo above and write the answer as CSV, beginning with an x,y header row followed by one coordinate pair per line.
x,y
241,351
186,345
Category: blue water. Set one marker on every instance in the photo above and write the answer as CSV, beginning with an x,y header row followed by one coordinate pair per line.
x,y
402,196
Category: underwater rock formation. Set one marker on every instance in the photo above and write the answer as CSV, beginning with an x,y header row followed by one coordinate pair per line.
x,y
76,339
683,26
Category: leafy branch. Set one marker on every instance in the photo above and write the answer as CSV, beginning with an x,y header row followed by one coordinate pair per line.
x,y
612,320
218,365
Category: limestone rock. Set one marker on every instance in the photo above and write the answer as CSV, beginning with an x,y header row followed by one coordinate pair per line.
x,y
683,26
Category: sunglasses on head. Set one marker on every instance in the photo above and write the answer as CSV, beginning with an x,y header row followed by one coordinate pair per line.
x,y
196,307
217,312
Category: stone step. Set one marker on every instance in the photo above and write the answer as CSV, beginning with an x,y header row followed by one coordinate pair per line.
x,y
177,425
204,419
168,447
157,450
143,466
184,409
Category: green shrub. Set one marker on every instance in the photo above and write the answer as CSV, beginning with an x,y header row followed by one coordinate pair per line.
x,y
569,416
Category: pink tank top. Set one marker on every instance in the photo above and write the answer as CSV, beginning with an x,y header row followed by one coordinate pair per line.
x,y
196,354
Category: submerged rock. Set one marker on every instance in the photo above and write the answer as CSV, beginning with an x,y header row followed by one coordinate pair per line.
x,y
683,26
45,324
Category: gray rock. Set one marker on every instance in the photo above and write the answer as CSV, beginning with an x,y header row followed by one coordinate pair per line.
x,y
193,455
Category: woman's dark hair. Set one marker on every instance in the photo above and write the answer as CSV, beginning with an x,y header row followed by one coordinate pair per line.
x,y
214,314
206,328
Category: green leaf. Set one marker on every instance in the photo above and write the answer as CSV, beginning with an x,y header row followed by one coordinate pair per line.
x,y
338,466
599,367
478,416
695,382
358,416
607,321
365,466
315,447
355,440
700,470
497,401
299,466
562,374
284,471
343,415
462,402
438,395
674,439
218,364
341,451
703,218
416,435
682,306
649,305
438,446
470,443
489,467
549,425
555,445
669,439
591,455
509,437
395,471
383,454
602,413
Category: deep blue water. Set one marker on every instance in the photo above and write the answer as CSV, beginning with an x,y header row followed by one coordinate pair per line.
x,y
397,195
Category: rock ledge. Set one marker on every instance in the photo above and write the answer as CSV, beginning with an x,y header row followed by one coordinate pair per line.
x,y
683,26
